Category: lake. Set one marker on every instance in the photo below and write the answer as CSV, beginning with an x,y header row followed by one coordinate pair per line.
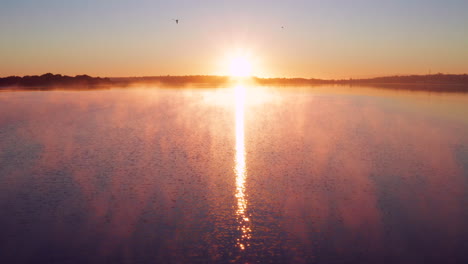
x,y
243,174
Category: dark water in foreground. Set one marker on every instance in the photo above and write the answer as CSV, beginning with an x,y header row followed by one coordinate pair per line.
x,y
238,175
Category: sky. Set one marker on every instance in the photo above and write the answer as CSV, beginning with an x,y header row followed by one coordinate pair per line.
x,y
312,39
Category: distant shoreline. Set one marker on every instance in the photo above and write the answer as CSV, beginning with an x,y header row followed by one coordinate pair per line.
x,y
434,82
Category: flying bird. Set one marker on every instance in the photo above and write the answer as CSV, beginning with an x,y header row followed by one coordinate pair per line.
x,y
176,20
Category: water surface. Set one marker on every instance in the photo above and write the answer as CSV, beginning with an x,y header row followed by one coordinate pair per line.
x,y
233,175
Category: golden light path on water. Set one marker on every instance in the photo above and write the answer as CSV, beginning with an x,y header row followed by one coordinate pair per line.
x,y
241,171
244,98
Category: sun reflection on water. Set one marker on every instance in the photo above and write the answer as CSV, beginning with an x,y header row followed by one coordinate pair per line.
x,y
241,172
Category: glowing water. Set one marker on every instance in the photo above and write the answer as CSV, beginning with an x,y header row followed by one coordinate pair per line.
x,y
241,172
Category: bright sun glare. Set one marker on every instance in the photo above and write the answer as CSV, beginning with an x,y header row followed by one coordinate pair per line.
x,y
240,67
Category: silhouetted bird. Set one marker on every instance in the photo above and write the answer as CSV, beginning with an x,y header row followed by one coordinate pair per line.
x,y
176,20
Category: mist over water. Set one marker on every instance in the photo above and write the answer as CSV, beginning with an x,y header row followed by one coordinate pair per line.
x,y
233,175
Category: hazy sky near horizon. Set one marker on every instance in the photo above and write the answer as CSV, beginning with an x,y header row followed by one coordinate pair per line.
x,y
322,39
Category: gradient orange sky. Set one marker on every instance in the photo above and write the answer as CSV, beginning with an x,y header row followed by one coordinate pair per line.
x,y
320,39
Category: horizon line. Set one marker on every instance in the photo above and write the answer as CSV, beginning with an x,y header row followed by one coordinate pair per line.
x,y
247,77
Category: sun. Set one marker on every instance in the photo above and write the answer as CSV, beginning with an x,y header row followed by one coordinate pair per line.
x,y
240,67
